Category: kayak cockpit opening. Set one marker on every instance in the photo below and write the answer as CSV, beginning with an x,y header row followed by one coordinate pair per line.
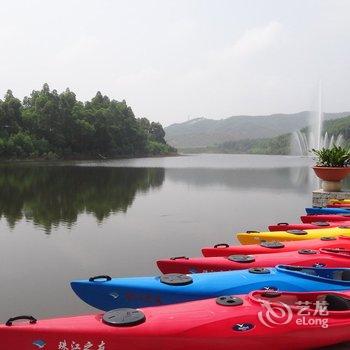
x,y
336,251
330,301
335,274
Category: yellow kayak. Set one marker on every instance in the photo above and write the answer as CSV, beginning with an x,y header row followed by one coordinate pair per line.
x,y
253,237
339,201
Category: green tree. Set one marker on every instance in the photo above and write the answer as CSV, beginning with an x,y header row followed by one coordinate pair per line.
x,y
10,114
157,132
50,124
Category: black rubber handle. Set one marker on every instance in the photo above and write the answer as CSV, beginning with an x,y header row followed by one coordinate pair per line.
x,y
252,231
106,277
271,293
282,223
31,319
224,245
179,257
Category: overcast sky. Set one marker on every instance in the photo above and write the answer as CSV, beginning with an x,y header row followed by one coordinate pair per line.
x,y
175,59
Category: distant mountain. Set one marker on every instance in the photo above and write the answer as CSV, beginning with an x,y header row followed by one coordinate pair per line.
x,y
282,144
202,132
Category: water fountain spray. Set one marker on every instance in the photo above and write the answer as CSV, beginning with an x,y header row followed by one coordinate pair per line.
x,y
315,139
319,117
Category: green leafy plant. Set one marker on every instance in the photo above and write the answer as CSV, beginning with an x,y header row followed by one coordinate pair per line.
x,y
332,157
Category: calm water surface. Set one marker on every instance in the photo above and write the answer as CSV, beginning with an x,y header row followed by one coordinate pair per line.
x,y
69,220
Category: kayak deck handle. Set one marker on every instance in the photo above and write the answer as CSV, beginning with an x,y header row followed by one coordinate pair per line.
x,y
259,270
307,251
270,293
282,224
31,319
179,257
328,238
221,245
100,277
297,232
252,231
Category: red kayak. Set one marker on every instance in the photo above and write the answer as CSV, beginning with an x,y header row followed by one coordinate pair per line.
x,y
329,257
262,319
308,219
284,226
224,249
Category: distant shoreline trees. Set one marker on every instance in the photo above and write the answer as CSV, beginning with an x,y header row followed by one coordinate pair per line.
x,y
50,125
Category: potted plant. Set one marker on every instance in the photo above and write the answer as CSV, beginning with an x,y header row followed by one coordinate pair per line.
x,y
332,166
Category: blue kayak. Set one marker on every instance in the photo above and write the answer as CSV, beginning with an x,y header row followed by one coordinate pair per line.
x,y
106,293
320,211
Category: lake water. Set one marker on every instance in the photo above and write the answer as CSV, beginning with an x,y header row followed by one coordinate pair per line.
x,y
71,220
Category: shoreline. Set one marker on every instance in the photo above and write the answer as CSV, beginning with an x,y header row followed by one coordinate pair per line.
x,y
84,158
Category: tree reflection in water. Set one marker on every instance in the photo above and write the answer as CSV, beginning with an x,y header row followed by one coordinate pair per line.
x,y
52,195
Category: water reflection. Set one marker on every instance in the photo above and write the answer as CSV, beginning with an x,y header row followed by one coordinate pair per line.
x,y
52,195
298,179
48,196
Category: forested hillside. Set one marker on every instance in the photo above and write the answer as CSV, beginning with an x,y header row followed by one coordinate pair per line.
x,y
339,126
51,125
202,132
277,145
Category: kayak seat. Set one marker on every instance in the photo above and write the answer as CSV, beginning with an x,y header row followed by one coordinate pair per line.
x,y
307,271
341,275
337,303
345,275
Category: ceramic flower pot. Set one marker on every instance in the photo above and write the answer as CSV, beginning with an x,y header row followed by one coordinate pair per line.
x,y
331,177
